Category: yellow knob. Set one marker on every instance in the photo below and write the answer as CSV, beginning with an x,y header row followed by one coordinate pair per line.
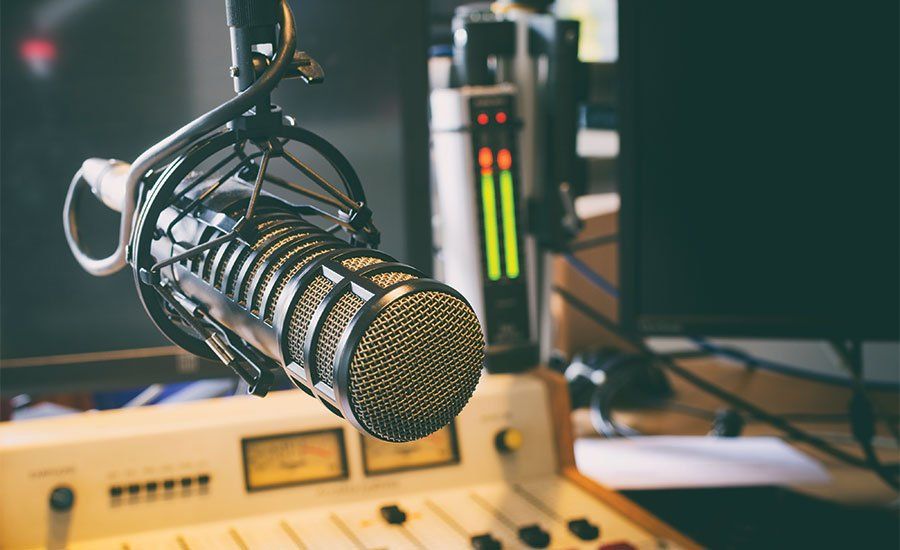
x,y
508,440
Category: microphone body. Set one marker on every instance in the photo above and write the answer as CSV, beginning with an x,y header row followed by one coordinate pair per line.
x,y
226,270
393,352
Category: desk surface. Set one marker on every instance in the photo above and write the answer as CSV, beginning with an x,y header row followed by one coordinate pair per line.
x,y
776,394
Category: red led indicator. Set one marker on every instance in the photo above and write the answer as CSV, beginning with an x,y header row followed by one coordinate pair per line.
x,y
485,157
38,49
482,118
500,117
504,159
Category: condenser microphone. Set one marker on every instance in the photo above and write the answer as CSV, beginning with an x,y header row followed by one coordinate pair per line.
x,y
229,271
395,353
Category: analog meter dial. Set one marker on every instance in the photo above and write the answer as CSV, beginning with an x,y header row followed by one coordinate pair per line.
x,y
295,458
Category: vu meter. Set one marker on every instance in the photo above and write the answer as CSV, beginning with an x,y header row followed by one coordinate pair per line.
x,y
438,449
481,249
294,459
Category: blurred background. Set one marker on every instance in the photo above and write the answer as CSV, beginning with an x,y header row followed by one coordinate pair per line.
x,y
98,78
693,268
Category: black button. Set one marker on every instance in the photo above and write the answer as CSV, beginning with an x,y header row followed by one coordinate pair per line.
x,y
169,483
486,542
62,499
186,481
203,479
393,515
584,529
151,486
115,491
134,488
534,536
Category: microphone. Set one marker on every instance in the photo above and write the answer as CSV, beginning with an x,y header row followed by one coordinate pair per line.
x,y
228,270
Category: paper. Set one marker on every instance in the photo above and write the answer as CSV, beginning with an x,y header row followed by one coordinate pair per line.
x,y
670,462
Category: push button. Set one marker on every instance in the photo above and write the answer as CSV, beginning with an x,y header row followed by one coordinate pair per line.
x,y
584,529
62,499
534,536
486,542
134,489
115,491
393,515
509,440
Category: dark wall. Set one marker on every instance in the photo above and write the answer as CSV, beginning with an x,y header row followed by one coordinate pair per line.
x,y
126,73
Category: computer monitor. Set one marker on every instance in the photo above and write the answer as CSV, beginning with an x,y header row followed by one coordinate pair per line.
x,y
104,78
759,169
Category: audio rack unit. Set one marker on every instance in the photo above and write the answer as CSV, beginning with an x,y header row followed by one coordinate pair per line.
x,y
481,247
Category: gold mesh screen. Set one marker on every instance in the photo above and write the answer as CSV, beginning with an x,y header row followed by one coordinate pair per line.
x,y
244,252
385,280
303,312
282,283
353,264
335,323
265,235
261,260
416,366
273,268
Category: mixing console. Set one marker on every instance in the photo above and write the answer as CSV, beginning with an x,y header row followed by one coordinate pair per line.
x,y
281,472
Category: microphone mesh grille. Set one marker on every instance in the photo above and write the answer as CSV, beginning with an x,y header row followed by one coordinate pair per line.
x,y
232,280
335,323
385,280
354,264
282,283
310,299
261,260
416,366
273,268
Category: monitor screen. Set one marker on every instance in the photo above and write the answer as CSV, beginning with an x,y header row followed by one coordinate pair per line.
x,y
759,169
93,78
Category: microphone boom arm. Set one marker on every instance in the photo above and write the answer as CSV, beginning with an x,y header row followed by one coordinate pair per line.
x,y
156,155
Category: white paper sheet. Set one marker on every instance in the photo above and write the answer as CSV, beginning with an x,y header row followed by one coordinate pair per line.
x,y
668,462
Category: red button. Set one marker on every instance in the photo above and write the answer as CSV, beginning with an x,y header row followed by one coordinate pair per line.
x,y
482,118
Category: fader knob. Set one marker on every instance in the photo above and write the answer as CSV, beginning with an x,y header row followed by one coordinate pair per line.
x,y
486,542
393,514
534,536
584,529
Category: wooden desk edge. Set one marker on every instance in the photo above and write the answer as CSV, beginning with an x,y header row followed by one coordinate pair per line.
x,y
558,392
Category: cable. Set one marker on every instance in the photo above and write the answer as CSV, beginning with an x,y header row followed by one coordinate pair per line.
x,y
780,368
170,145
714,390
732,353
862,413
591,275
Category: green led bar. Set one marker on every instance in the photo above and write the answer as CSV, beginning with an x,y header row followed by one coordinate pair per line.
x,y
510,239
491,233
